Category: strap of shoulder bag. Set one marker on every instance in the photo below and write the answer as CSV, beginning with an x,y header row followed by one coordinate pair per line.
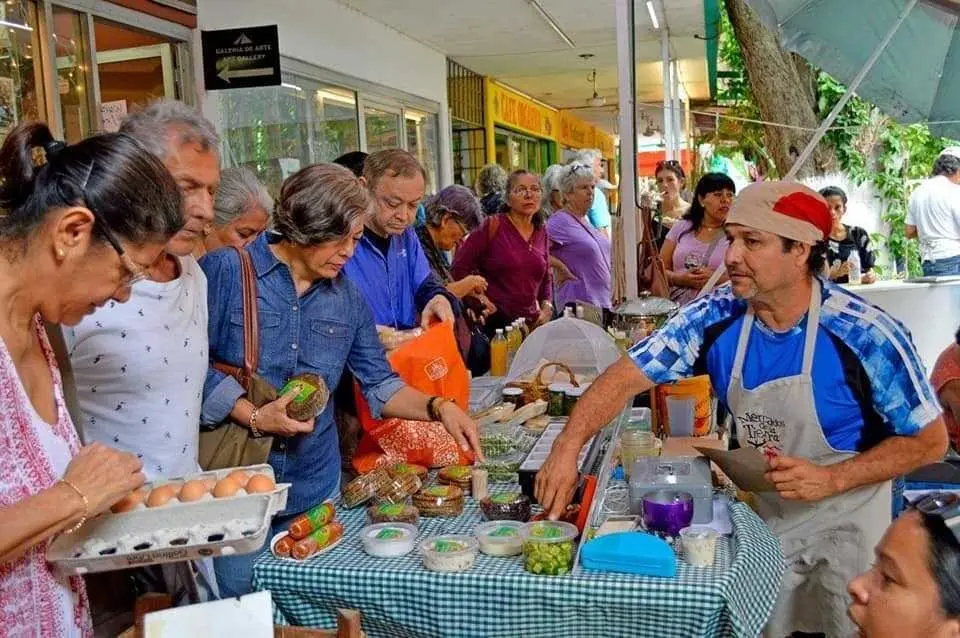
x,y
251,331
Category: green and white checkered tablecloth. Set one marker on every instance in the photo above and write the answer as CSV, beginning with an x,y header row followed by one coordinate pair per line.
x,y
399,597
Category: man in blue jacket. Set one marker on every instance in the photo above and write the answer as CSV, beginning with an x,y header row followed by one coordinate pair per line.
x,y
389,266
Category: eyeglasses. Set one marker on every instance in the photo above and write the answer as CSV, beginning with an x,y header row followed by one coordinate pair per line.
x,y
134,272
523,191
944,506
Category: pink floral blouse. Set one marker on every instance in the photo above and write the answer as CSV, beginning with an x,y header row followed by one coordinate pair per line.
x,y
33,456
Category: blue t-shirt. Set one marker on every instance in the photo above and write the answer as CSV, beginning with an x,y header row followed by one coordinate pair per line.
x,y
868,382
599,214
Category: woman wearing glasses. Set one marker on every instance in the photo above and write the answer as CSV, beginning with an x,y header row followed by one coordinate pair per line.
x,y
510,251
74,234
913,588
582,250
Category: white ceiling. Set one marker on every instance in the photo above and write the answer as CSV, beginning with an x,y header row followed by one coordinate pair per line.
x,y
509,41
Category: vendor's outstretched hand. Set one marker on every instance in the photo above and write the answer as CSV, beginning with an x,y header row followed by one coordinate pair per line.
x,y
437,309
798,479
557,479
462,428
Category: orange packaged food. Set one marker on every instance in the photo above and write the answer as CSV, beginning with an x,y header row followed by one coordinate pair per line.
x,y
284,546
312,520
318,540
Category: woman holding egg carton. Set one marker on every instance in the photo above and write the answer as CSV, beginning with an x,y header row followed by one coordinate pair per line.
x,y
75,233
318,323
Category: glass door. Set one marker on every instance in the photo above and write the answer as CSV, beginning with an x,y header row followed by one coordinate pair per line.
x,y
134,68
73,76
422,142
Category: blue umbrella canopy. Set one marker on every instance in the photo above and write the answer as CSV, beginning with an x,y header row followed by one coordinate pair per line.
x,y
916,75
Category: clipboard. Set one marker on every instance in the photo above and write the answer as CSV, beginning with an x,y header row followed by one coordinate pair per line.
x,y
746,467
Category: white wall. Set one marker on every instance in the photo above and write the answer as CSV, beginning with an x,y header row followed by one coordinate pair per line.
x,y
330,35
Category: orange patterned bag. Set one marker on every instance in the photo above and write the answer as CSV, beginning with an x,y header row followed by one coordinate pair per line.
x,y
432,364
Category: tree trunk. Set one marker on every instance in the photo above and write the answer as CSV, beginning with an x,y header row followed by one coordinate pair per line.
x,y
782,87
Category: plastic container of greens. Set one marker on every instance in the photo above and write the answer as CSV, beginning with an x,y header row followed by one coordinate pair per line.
x,y
549,547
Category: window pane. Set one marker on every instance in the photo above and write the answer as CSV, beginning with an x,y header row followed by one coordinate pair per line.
x,y
72,74
382,128
335,123
20,98
422,142
265,129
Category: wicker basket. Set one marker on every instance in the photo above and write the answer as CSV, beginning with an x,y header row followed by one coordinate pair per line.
x,y
536,389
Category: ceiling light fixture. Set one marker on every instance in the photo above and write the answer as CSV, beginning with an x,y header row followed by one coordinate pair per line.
x,y
653,15
553,23
14,25
596,100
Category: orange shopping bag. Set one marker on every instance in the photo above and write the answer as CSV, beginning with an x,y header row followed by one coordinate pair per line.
x,y
432,364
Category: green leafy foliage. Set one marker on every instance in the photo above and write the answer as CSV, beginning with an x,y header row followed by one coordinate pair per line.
x,y
870,147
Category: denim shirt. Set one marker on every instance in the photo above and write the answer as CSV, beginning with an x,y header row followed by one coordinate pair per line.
x,y
325,329
397,285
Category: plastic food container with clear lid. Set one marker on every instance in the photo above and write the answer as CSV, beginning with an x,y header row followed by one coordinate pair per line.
x,y
449,552
549,547
387,540
439,500
500,538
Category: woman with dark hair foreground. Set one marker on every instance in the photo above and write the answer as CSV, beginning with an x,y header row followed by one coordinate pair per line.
x,y
75,233
913,588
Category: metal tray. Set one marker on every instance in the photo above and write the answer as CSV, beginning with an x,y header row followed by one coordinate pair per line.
x,y
221,527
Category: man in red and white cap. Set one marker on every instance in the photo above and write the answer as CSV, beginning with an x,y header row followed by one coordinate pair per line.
x,y
827,386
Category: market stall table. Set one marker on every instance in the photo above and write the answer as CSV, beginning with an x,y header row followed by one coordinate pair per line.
x,y
399,597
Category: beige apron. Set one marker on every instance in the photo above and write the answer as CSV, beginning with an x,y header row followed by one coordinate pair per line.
x,y
826,543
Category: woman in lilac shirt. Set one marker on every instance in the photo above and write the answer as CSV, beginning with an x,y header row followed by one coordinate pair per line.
x,y
510,251
695,245
582,250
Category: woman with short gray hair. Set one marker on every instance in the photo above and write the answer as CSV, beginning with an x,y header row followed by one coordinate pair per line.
x,y
318,323
580,248
552,197
241,210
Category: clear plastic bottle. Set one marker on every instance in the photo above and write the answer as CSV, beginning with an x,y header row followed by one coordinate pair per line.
x,y
855,273
498,355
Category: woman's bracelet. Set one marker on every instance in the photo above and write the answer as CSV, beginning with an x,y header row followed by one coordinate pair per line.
x,y
86,506
253,423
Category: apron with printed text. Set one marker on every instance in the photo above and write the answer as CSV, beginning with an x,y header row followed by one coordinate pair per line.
x,y
827,543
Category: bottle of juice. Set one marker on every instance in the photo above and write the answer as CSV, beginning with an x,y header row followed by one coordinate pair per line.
x,y
498,355
513,344
521,326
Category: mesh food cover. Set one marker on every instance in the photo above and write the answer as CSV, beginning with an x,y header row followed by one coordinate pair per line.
x,y
585,347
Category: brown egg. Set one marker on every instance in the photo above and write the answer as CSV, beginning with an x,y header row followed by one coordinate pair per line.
x,y
209,482
239,477
226,487
193,491
162,495
130,502
260,483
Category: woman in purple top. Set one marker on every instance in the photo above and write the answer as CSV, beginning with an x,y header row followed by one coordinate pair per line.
x,y
583,251
695,246
510,251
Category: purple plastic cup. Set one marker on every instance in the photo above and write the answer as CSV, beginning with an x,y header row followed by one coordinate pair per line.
x,y
667,511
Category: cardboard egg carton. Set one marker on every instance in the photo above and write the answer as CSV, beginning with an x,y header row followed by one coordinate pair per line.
x,y
175,532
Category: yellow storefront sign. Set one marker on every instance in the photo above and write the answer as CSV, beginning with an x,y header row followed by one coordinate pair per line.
x,y
606,145
519,113
576,133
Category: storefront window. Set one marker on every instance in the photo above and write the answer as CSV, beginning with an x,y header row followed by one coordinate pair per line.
x,y
20,73
382,128
422,142
336,130
73,78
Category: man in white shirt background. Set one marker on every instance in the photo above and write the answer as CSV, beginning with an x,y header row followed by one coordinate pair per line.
x,y
933,216
139,367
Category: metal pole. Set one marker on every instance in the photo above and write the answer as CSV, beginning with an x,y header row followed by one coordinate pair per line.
x,y
677,110
667,91
626,69
854,85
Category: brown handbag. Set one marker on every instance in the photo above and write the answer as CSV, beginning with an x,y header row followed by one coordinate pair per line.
x,y
231,444
651,274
